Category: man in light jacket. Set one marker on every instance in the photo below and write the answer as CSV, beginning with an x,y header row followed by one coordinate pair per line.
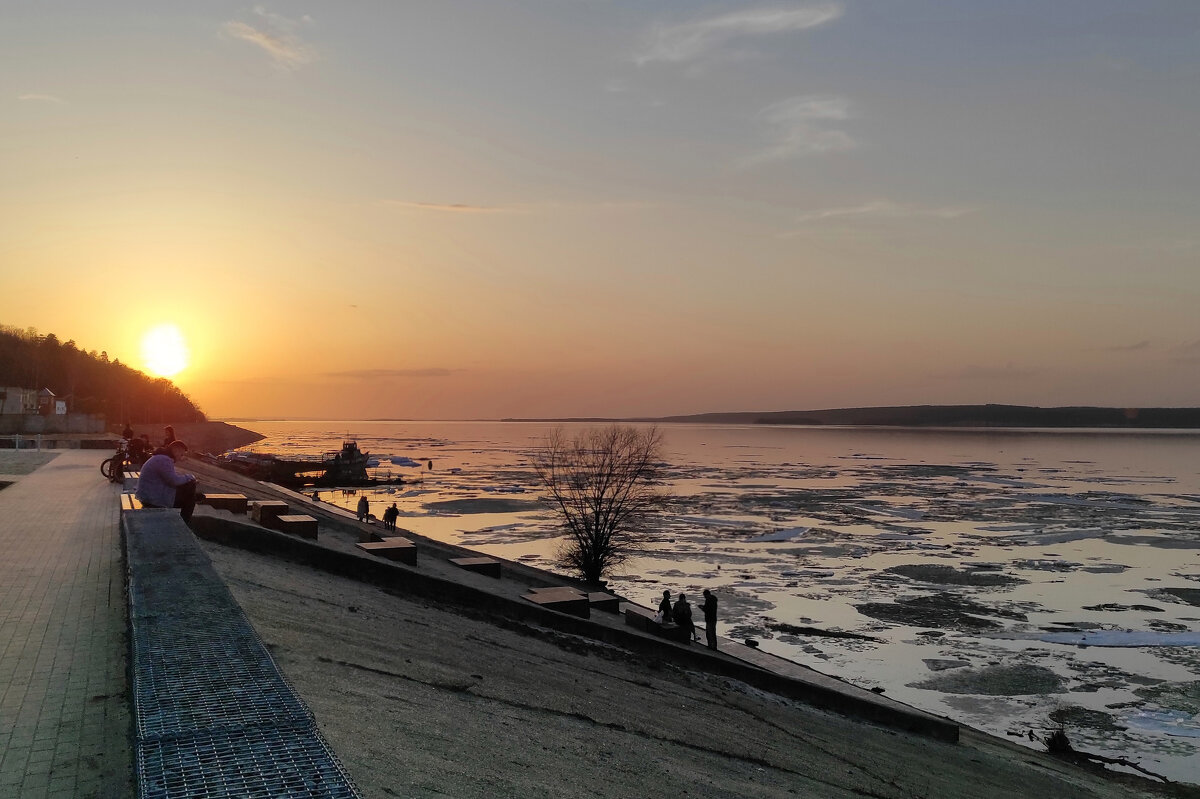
x,y
160,486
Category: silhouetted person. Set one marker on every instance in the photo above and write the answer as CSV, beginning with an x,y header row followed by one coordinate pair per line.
x,y
127,432
681,614
160,486
390,515
710,618
168,436
364,508
664,607
137,450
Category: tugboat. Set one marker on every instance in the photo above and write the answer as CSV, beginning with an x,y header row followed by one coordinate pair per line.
x,y
345,467
349,465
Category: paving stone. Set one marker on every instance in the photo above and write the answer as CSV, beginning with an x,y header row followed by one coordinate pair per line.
x,y
63,717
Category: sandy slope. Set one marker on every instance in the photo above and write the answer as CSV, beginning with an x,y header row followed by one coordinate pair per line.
x,y
422,701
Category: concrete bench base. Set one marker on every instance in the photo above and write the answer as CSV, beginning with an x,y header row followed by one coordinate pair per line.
x,y
608,603
486,566
235,503
641,618
265,510
564,600
397,548
302,525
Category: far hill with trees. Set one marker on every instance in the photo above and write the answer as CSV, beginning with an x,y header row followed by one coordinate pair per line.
x,y
965,416
942,416
89,381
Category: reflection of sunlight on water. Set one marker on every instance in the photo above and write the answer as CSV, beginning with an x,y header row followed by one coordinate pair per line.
x,y
1081,520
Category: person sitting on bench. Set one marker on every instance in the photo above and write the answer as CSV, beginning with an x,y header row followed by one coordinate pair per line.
x,y
160,486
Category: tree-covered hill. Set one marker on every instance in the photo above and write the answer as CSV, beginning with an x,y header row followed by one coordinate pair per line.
x,y
89,381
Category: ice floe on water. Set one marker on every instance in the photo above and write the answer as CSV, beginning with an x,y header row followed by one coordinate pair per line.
x,y
785,534
1121,638
1053,576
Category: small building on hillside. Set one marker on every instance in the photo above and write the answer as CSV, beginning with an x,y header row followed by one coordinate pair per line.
x,y
48,404
16,401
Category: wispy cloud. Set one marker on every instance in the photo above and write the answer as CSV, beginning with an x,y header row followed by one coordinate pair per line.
x,y
35,97
615,206
691,40
1188,352
452,208
1138,347
385,374
883,209
278,36
804,126
975,372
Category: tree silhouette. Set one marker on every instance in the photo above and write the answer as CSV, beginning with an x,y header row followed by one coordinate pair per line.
x,y
603,483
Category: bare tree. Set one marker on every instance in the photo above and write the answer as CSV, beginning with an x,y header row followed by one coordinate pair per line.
x,y
603,483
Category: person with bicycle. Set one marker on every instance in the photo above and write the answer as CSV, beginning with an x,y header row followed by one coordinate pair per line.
x,y
160,486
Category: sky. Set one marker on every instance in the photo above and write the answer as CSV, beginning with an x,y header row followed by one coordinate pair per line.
x,y
457,209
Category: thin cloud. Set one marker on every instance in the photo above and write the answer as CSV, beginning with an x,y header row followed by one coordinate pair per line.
x,y
1139,346
34,97
453,208
522,208
276,35
883,209
1188,352
686,42
385,374
805,126
974,372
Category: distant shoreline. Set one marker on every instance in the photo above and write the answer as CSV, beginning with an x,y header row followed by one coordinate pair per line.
x,y
938,416
947,417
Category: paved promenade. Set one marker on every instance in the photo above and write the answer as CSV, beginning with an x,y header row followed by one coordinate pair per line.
x,y
64,719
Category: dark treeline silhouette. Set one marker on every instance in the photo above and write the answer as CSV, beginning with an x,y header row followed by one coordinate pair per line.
x,y
966,416
89,381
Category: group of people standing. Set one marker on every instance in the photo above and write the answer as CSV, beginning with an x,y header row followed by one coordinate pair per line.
x,y
389,515
681,613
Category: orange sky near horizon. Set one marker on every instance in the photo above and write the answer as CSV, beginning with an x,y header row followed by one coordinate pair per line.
x,y
473,212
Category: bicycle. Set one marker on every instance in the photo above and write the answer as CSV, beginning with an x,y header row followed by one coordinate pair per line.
x,y
113,468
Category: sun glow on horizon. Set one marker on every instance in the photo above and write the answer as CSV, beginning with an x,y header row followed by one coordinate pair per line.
x,y
164,351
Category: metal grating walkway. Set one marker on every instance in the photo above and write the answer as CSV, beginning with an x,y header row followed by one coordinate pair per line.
x,y
213,715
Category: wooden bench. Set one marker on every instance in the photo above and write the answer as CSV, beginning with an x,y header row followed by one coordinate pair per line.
x,y
395,548
130,502
235,503
262,511
609,603
562,599
486,566
300,524
642,619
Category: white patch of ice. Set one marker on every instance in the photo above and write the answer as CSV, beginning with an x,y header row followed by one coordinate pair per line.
x,y
903,513
400,460
1005,481
709,521
786,534
1170,722
495,528
1122,638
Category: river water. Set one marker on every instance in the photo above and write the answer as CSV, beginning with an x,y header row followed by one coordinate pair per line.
x,y
1010,579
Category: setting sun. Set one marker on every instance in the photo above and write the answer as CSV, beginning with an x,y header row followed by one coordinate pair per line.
x,y
164,352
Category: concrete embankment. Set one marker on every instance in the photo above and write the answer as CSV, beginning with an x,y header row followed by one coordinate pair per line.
x,y
426,690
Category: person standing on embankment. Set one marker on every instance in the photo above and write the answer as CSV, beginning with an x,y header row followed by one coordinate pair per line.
x,y
710,618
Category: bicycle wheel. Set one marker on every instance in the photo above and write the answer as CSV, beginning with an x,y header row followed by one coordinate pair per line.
x,y
106,468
